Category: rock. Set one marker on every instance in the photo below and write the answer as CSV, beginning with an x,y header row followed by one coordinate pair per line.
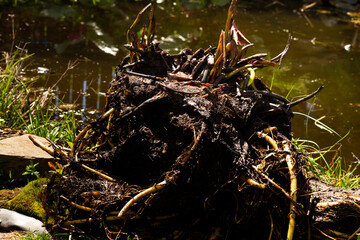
x,y
11,220
16,153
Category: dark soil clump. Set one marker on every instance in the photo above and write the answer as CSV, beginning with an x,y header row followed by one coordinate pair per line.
x,y
203,142
190,146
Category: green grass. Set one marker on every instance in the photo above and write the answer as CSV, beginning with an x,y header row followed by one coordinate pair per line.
x,y
333,171
20,109
35,236
13,90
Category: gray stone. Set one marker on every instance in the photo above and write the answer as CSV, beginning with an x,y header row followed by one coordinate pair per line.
x,y
11,220
16,153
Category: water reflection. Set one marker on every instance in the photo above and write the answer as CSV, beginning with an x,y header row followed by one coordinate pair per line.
x,y
98,92
84,93
71,86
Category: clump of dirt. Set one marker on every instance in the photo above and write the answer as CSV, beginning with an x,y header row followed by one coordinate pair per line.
x,y
190,146
204,144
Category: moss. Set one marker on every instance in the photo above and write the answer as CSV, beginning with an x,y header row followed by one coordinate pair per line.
x,y
30,200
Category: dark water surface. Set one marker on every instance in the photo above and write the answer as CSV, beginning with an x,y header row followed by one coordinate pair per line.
x,y
95,36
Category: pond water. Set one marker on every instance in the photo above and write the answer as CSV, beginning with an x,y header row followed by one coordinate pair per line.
x,y
94,36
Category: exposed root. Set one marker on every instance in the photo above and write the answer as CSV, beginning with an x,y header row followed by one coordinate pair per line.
x,y
298,208
355,233
293,189
267,138
98,173
254,183
142,194
77,205
107,114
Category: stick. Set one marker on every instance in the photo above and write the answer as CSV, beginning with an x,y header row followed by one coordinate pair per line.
x,y
78,138
158,96
76,205
292,104
352,235
78,221
41,145
293,188
281,56
98,173
196,141
108,113
144,75
140,195
87,135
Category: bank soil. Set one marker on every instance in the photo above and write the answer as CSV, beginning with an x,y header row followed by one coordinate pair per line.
x,y
194,146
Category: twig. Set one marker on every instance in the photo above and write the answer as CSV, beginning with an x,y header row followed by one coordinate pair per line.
x,y
87,135
41,145
144,75
78,138
76,205
281,56
78,221
108,113
142,194
298,208
267,138
326,235
293,188
158,96
196,141
98,173
292,104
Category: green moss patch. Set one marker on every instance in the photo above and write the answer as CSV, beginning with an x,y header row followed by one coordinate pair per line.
x,y
30,200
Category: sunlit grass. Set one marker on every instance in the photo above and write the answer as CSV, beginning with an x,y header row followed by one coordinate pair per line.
x,y
327,163
20,109
13,90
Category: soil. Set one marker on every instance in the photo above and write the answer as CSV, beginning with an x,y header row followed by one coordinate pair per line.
x,y
202,142
5,196
12,235
8,194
